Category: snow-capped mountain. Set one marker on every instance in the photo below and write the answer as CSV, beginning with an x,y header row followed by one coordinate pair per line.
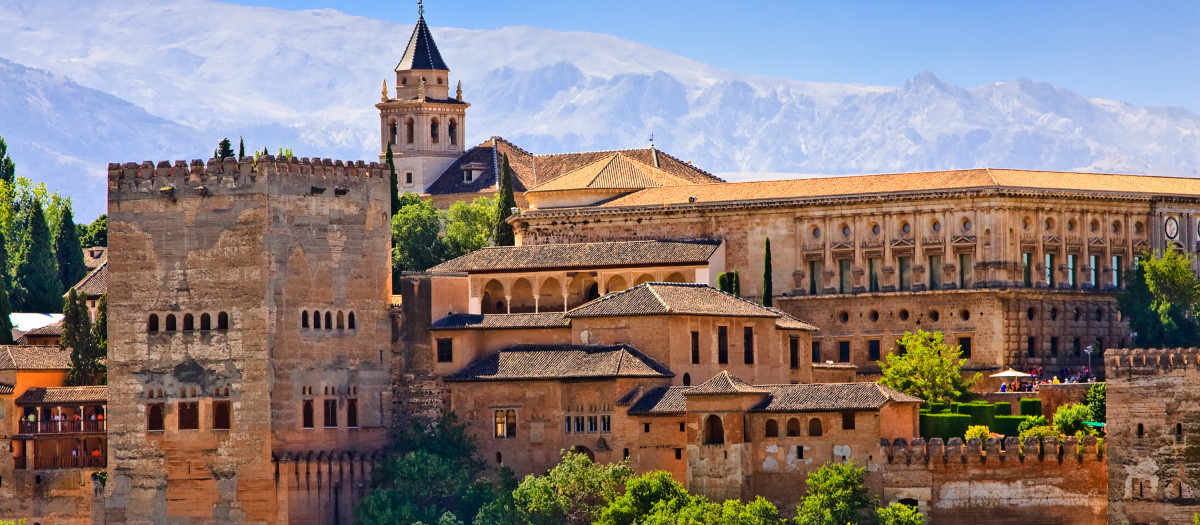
x,y
203,70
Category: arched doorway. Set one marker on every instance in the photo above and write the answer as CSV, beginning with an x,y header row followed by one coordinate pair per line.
x,y
581,289
616,283
550,296
675,277
714,431
580,449
494,298
522,297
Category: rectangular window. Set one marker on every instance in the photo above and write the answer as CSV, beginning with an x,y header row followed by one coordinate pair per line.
x,y
844,276
445,350
567,425
748,344
1027,269
1050,270
1116,271
606,423
905,273
799,451
723,344
506,423
645,427
307,409
816,351
843,351
966,270
873,266
1071,258
221,415
352,413
794,352
814,277
578,424
408,177
1031,347
964,344
1093,272
1077,347
679,453
331,413
847,420
695,348
189,416
1099,349
873,350
935,272
1053,347
593,424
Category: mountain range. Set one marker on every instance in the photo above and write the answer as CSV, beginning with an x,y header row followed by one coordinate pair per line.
x,y
87,83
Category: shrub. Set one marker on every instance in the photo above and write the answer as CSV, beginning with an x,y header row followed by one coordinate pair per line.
x,y
898,514
1007,425
1095,400
977,431
946,425
1003,409
937,408
1068,419
1031,406
1032,421
981,414
1040,432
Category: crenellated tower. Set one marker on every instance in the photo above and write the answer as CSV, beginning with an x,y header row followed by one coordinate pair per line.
x,y
424,125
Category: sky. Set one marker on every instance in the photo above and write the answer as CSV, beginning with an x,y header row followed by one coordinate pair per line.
x,y
1145,52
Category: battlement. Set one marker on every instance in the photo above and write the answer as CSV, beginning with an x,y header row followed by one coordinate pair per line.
x,y
1152,359
993,452
286,174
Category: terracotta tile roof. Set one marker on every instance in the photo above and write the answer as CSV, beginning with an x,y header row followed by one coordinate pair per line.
x,y
671,299
899,183
52,329
526,362
724,383
631,396
826,397
501,321
661,401
95,283
787,322
63,395
6,389
94,256
582,255
34,358
422,52
614,171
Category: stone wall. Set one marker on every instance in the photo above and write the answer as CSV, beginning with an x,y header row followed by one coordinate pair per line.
x,y
66,496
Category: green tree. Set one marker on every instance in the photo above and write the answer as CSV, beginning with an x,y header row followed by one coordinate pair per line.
x,y
99,340
241,149
394,181
836,495
8,169
574,492
36,287
977,431
928,369
1161,301
77,339
1031,422
505,202
224,149
6,308
899,514
1096,401
651,493
67,251
1068,419
94,234
725,282
468,226
768,288
736,283
415,242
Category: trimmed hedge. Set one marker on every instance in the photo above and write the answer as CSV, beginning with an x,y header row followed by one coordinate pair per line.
x,y
1004,409
1031,406
944,426
981,414
937,408
1007,425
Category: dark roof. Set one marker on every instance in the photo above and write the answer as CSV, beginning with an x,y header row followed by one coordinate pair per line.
x,y
501,321
826,397
524,362
671,299
724,383
6,389
582,255
95,283
34,358
422,52
531,170
64,395
661,401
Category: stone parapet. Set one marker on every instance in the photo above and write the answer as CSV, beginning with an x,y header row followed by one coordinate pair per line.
x,y
935,452
1145,359
197,178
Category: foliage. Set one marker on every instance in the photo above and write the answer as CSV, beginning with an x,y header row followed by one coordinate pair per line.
x,y
725,282
469,227
5,304
945,425
67,251
977,431
836,496
981,413
505,202
8,169
241,149
94,234
929,369
573,492
768,288
898,514
224,150
1030,406
36,287
415,243
99,339
1068,419
737,283
654,492
1032,421
393,180
1003,408
77,339
1040,432
1095,399
1008,425
18,522
1161,300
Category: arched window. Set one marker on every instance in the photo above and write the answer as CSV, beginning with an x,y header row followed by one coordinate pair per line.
x,y
814,427
714,432
222,321
221,415
205,322
189,323
154,418
307,413
452,131
772,428
793,427
317,320
189,416
170,323
408,130
687,379
433,131
392,132
350,321
341,321
328,320
152,324
304,319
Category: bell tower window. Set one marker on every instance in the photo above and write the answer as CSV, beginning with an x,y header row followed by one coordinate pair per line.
x,y
392,132
452,131
408,129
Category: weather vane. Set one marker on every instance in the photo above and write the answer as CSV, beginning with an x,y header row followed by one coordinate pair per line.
x,y
651,139
420,8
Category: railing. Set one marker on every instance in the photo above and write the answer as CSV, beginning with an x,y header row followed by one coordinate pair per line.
x,y
56,462
62,427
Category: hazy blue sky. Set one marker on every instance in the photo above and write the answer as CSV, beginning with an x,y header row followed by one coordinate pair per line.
x,y
1145,52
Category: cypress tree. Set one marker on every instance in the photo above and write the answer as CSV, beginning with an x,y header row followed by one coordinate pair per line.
x,y
768,289
395,181
736,283
224,149
36,287
8,170
725,282
99,339
504,205
77,338
6,327
67,250
241,149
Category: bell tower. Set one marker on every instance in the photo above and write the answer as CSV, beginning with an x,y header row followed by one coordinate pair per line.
x,y
424,125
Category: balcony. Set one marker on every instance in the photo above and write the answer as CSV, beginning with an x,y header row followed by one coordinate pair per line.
x,y
61,462
62,427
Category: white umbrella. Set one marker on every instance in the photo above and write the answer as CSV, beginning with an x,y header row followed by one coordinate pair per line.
x,y
1011,373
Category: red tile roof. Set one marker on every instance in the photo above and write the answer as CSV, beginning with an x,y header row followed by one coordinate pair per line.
x,y
583,256
65,395
501,321
95,283
722,384
34,358
527,362
678,299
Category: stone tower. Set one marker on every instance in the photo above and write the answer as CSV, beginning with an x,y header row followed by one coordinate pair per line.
x,y
423,124
249,339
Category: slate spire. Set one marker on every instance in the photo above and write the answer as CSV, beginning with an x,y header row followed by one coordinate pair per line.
x,y
422,52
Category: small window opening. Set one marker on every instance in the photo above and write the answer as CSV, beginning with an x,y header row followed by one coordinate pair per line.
x,y
205,322
350,321
222,321
189,323
152,324
170,323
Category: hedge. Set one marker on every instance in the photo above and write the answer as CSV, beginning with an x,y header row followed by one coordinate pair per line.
x,y
1004,409
937,408
944,426
1031,406
1007,425
981,414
